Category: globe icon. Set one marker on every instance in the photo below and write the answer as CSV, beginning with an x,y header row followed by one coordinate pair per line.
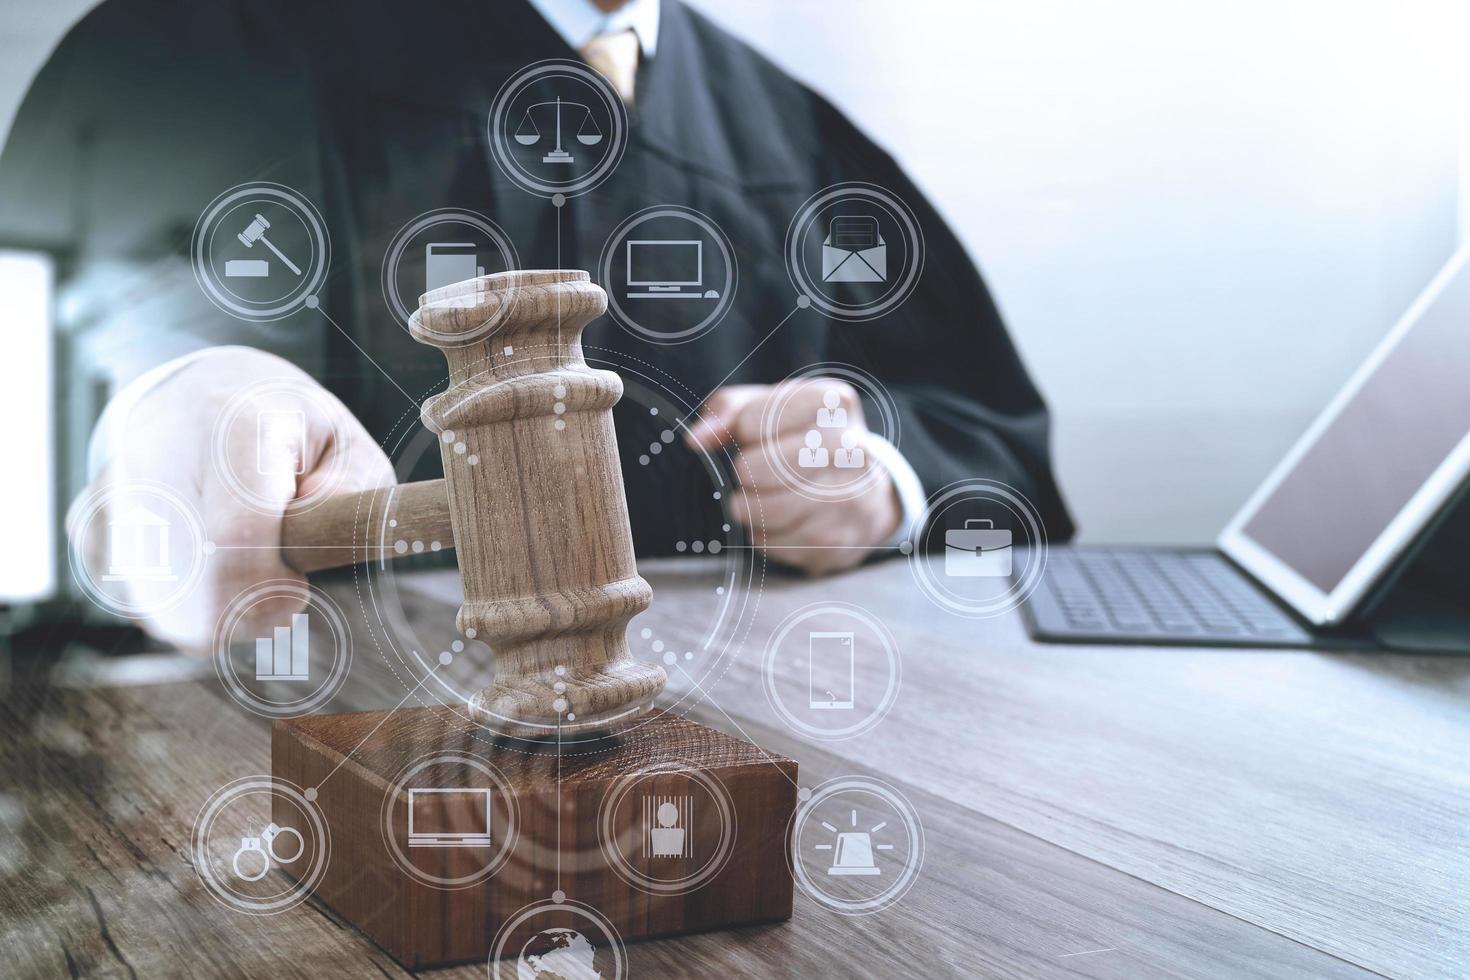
x,y
557,954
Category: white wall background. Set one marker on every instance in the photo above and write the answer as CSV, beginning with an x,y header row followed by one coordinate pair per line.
x,y
1196,216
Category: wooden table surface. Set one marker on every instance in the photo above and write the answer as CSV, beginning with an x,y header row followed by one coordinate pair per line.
x,y
1087,811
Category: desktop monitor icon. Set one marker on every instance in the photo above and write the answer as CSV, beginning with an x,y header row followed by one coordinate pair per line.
x,y
666,268
448,817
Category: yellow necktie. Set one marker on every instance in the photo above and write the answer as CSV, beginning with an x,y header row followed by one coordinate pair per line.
x,y
616,57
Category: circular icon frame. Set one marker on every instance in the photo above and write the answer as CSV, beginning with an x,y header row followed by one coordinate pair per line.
x,y
869,721
723,304
806,286
914,829
618,861
398,790
313,599
325,406
865,383
407,649
88,508
399,245
564,906
304,884
201,251
1020,589
582,74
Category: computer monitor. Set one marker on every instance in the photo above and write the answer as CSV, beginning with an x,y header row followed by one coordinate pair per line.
x,y
665,263
1386,456
448,817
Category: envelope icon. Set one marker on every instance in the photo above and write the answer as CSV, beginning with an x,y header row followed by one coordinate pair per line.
x,y
854,251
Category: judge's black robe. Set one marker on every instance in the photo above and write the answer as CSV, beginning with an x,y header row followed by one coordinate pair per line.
x,y
376,111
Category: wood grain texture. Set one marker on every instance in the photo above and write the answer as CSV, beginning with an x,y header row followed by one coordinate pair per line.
x,y
535,504
1089,812
351,528
556,842
536,499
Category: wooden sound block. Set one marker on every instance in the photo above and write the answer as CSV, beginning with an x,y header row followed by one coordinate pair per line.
x,y
441,895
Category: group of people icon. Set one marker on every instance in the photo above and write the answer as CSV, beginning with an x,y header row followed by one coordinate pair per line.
x,y
814,455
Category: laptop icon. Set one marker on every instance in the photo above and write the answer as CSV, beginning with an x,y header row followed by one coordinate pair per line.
x,y
448,817
666,268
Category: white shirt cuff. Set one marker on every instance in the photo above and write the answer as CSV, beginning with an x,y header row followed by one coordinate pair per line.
x,y
911,495
112,426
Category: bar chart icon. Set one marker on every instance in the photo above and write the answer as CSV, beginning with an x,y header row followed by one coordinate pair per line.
x,y
284,656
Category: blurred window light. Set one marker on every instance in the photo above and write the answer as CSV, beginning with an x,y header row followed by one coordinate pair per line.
x,y
1439,29
27,497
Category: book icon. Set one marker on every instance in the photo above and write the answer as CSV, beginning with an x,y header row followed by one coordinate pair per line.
x,y
446,263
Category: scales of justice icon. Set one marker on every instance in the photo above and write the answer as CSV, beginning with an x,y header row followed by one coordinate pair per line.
x,y
528,133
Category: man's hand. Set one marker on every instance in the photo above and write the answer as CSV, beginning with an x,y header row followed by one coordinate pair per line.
x,y
169,439
816,535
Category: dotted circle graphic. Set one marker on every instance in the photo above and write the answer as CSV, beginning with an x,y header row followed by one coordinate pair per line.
x,y
408,649
210,226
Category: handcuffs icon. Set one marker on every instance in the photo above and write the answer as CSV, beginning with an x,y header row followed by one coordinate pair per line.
x,y
268,852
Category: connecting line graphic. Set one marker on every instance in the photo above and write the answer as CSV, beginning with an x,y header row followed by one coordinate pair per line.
x,y
813,547
320,309
285,547
685,420
558,803
710,698
323,781
558,295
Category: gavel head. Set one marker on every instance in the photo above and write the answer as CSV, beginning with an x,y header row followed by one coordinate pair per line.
x,y
253,231
537,503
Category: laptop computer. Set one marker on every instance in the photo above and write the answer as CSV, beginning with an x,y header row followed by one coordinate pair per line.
x,y
1326,532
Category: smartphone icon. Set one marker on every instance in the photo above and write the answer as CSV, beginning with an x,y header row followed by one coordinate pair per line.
x,y
280,442
830,669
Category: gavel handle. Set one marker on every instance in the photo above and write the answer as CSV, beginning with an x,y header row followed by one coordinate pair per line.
x,y
366,526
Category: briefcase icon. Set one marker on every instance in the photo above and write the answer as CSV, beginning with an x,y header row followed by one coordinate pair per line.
x,y
978,550
854,251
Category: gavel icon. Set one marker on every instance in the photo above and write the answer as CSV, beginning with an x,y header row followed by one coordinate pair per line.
x,y
532,498
255,232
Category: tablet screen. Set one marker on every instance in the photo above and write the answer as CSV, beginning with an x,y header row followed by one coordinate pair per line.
x,y
1378,450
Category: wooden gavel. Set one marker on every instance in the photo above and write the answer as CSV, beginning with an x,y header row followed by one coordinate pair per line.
x,y
532,500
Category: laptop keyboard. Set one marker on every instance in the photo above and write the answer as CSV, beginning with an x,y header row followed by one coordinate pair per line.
x,y
1139,595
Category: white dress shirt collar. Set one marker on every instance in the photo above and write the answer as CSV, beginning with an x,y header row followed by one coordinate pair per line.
x,y
579,21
